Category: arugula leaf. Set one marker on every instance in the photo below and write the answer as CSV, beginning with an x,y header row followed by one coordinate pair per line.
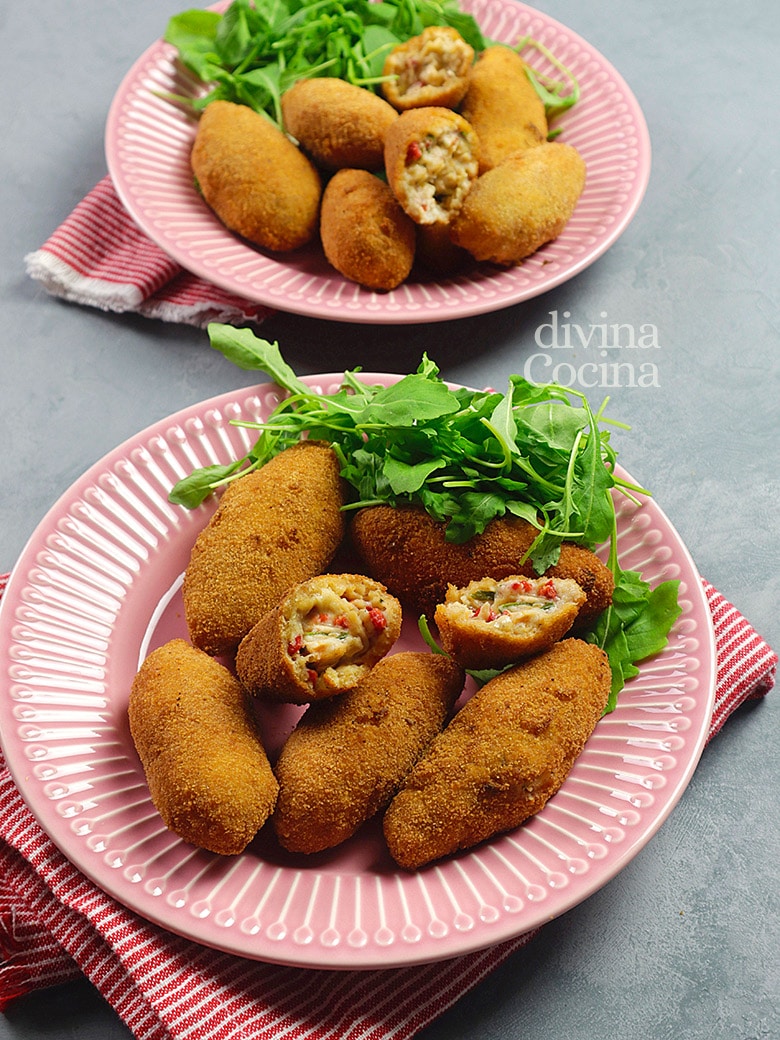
x,y
646,635
589,492
233,36
377,43
193,31
245,350
636,626
262,90
195,488
412,399
524,510
405,479
503,426
555,424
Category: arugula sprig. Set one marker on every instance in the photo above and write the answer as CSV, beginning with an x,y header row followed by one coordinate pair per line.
x,y
538,452
558,95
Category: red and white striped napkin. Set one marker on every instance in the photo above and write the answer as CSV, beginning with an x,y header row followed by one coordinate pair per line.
x,y
55,924
100,257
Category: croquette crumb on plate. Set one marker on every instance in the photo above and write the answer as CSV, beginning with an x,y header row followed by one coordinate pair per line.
x,y
148,143
98,587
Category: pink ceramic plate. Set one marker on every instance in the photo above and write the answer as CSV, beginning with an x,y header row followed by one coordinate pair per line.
x,y
98,586
148,143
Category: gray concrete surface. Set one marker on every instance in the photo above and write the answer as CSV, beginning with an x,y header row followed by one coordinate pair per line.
x,y
683,942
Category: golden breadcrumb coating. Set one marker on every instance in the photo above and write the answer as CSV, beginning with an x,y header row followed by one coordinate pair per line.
x,y
256,180
323,638
501,758
274,527
492,623
501,104
406,549
347,756
521,204
430,69
339,124
365,234
207,771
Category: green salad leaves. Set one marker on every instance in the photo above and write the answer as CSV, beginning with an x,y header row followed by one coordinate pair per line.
x,y
257,49
538,452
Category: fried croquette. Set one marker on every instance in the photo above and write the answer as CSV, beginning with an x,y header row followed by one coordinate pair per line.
x,y
505,753
430,69
502,106
406,549
347,756
490,623
521,204
323,638
208,774
431,161
274,527
366,236
337,123
254,178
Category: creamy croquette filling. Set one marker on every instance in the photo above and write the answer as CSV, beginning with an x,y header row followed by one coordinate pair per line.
x,y
434,65
330,631
440,169
513,603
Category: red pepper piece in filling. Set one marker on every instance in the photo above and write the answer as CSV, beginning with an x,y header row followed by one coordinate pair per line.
x,y
548,590
377,618
522,586
413,153
295,646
